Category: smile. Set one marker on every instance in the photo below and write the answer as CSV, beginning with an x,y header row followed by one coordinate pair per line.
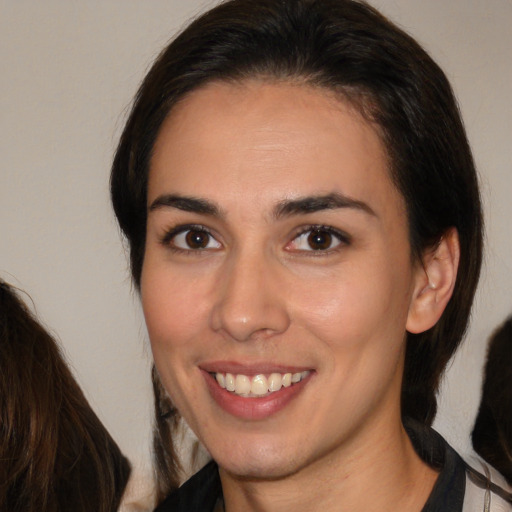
x,y
259,385
254,392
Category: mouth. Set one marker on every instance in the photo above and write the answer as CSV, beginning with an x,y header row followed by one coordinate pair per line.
x,y
258,386
254,392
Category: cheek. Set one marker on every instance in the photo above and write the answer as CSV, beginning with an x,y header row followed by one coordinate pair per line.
x,y
360,304
171,313
172,307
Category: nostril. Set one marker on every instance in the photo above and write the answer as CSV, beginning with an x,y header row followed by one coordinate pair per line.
x,y
259,323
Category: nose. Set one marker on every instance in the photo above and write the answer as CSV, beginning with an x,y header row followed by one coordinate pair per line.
x,y
250,303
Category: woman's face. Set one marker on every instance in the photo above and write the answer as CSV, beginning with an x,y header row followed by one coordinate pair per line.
x,y
277,264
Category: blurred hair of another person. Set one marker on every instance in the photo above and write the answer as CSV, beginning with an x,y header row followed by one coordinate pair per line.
x,y
492,433
55,453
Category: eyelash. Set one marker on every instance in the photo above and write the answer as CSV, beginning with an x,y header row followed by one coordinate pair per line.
x,y
343,238
170,234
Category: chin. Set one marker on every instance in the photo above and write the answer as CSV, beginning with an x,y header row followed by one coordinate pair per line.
x,y
260,470
260,463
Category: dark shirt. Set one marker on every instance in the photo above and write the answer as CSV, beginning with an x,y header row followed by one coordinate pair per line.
x,y
201,492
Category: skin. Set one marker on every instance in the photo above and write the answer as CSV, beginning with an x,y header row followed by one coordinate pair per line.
x,y
257,294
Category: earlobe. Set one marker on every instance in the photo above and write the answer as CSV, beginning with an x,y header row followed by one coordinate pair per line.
x,y
435,281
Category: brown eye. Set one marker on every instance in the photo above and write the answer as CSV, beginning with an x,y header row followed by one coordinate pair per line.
x,y
197,239
320,240
192,239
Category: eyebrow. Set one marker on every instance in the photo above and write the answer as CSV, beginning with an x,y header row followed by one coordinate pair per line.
x,y
312,204
186,204
286,208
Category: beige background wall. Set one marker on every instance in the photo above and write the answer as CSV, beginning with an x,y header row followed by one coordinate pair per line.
x,y
67,73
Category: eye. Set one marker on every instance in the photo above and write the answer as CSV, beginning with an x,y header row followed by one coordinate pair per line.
x,y
318,238
191,238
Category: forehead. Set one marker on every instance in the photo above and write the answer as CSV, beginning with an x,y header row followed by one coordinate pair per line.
x,y
268,140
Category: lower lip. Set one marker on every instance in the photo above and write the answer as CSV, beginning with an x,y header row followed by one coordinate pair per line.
x,y
254,408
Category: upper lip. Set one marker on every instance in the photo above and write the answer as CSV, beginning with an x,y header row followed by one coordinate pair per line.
x,y
250,368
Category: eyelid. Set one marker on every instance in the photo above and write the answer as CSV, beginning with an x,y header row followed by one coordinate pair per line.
x,y
344,238
173,232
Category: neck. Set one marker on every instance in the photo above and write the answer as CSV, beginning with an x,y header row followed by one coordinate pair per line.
x,y
376,470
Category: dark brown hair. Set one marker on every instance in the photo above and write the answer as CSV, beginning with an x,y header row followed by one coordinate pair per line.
x,y
168,468
55,454
492,433
348,47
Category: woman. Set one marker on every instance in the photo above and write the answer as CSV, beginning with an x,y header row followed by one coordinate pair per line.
x,y
55,453
305,232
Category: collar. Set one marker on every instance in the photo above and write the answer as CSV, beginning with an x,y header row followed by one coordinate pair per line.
x,y
203,490
449,489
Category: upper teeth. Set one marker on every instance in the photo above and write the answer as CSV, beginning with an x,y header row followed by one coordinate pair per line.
x,y
259,385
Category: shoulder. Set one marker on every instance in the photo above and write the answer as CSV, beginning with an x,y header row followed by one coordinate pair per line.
x,y
486,489
139,494
462,486
200,493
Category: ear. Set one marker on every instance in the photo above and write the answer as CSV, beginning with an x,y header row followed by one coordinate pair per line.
x,y
434,283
